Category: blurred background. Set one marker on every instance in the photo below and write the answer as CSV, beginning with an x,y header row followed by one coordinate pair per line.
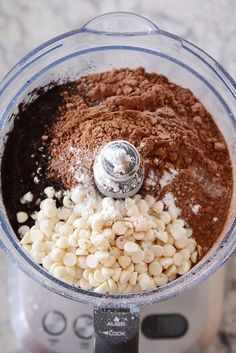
x,y
210,24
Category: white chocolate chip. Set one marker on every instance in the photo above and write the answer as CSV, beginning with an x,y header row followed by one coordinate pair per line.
x,y
59,272
163,236
62,243
166,262
146,282
103,288
160,225
150,200
158,207
131,247
116,275
161,280
112,285
143,207
84,284
177,231
155,268
49,192
57,254
137,257
98,276
139,235
133,278
124,276
133,211
27,198
23,230
67,202
102,255
21,217
186,254
181,243
120,242
158,250
91,261
178,259
165,217
69,259
184,268
110,245
36,235
148,256
107,272
194,257
140,268
119,228
124,261
101,242
168,250
26,238
109,262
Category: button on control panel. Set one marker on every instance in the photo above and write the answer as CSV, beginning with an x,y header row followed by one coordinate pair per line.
x,y
164,326
54,323
83,327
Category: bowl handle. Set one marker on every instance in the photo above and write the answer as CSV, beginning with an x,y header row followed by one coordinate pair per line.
x,y
120,23
116,329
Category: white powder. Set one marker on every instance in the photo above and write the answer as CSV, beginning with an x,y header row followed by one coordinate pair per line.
x,y
215,219
195,208
73,149
209,186
80,173
36,180
151,179
169,201
109,187
82,176
119,159
167,177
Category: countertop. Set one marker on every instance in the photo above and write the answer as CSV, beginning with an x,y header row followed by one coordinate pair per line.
x,y
211,24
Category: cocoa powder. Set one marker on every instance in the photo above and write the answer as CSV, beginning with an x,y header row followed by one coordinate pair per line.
x,y
168,125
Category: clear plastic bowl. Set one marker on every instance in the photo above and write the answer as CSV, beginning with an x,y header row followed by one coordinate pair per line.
x,y
112,41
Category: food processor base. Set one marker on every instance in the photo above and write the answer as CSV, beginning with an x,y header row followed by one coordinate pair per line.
x,y
45,322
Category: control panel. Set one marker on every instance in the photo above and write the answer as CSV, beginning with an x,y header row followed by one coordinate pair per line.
x,y
46,322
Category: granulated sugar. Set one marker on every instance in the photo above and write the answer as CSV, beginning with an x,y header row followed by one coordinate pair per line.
x,y
167,177
170,202
195,208
119,159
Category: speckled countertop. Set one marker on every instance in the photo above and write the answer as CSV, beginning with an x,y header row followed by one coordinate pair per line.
x,y
211,24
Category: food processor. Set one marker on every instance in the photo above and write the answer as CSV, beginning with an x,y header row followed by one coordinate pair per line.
x,y
182,316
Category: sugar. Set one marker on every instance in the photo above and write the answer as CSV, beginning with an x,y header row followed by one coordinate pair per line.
x,y
169,201
168,177
151,179
195,208
119,159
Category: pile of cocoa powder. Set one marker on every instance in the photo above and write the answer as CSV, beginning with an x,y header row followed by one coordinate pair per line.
x,y
166,123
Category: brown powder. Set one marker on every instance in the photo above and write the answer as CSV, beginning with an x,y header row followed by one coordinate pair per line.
x,y
170,128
